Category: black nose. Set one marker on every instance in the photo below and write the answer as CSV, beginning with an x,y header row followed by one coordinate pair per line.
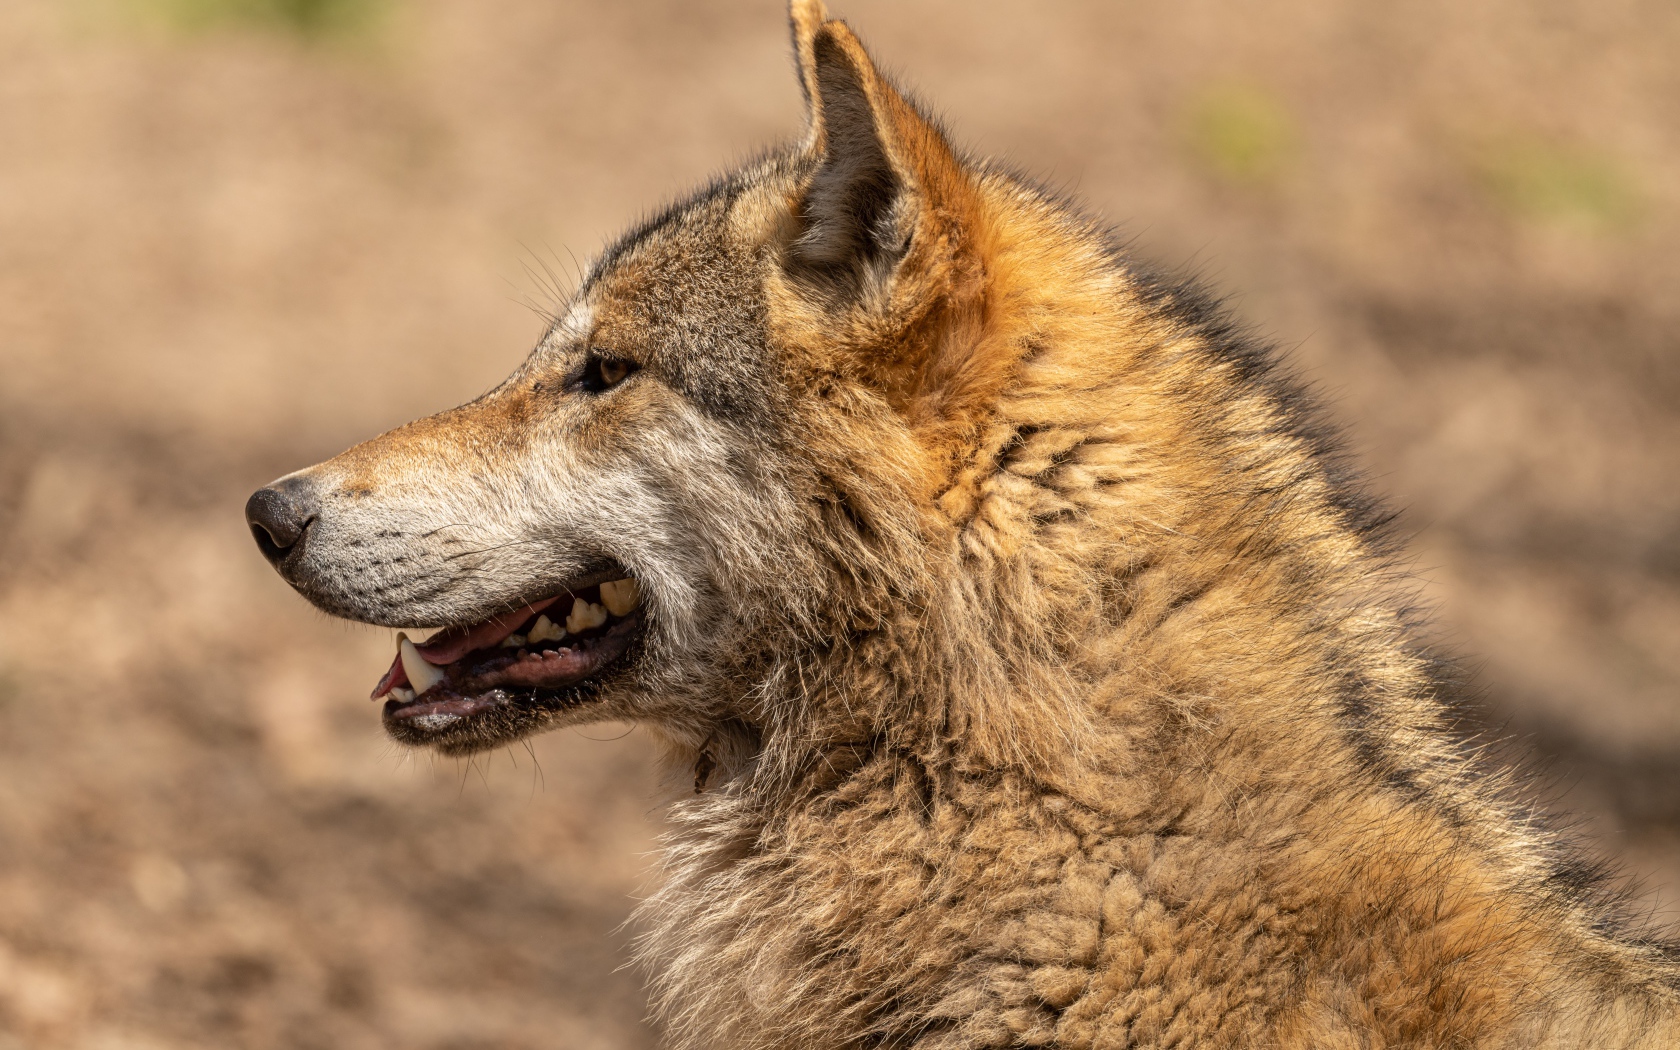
x,y
279,515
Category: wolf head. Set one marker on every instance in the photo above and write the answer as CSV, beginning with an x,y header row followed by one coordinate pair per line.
x,y
754,411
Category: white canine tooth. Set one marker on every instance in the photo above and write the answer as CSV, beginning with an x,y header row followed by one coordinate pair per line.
x,y
513,641
421,675
401,695
620,596
546,630
585,615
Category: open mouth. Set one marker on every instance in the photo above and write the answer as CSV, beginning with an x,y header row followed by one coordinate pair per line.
x,y
550,654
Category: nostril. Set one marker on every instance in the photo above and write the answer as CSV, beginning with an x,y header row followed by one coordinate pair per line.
x,y
278,519
266,543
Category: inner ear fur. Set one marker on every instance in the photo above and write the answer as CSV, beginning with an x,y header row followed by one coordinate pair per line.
x,y
879,169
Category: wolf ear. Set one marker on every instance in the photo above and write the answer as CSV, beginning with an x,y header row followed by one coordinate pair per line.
x,y
879,163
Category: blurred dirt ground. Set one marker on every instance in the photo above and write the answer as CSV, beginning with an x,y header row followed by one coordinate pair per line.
x,y
238,235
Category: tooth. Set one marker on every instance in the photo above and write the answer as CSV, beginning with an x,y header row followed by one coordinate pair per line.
x,y
421,675
585,615
620,596
401,695
513,641
546,630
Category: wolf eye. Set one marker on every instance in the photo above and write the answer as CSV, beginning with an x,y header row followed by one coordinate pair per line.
x,y
603,373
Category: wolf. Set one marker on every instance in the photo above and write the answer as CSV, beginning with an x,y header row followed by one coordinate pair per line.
x,y
1035,671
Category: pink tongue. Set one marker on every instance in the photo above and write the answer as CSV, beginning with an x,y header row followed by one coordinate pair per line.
x,y
448,646
395,677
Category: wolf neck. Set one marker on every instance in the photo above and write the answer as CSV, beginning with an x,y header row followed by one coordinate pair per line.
x,y
1134,528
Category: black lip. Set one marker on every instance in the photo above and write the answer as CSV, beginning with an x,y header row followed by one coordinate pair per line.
x,y
601,572
491,720
443,703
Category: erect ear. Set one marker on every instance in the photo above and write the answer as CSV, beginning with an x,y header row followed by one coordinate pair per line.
x,y
881,168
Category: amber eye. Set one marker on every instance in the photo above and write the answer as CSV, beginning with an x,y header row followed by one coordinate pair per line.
x,y
603,373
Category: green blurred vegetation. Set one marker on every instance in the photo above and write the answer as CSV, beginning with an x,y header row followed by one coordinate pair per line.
x,y
309,19
1241,133
1544,179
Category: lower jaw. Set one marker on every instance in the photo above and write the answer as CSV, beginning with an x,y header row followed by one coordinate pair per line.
x,y
474,720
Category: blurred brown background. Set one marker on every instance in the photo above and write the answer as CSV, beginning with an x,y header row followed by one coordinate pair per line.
x,y
239,235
